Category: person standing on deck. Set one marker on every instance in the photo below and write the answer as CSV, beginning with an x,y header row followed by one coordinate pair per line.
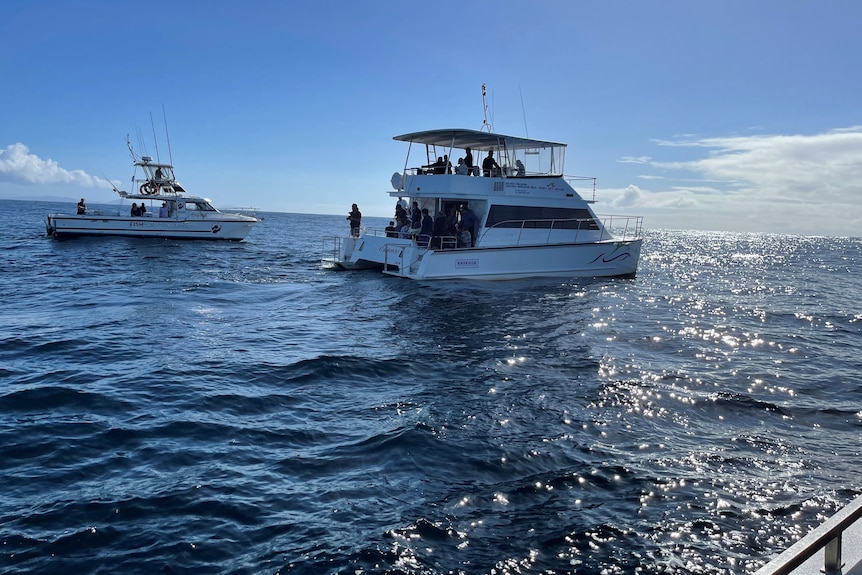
x,y
415,218
467,223
427,229
355,217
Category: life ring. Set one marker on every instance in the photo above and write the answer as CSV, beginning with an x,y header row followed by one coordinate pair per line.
x,y
149,189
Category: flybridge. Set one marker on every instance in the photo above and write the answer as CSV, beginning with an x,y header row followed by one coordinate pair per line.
x,y
536,157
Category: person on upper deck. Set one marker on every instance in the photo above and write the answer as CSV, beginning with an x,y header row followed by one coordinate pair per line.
x,y
447,165
520,170
461,170
468,160
436,167
490,165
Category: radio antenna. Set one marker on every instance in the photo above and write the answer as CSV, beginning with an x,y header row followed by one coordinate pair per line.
x,y
485,123
523,112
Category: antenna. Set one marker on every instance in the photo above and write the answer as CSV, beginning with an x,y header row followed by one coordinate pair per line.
x,y
485,123
523,112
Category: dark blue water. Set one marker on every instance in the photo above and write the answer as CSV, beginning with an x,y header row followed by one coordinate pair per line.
x,y
170,407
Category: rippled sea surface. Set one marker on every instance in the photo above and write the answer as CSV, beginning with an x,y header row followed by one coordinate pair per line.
x,y
204,407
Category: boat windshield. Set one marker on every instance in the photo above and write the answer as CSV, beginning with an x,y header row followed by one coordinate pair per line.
x,y
200,206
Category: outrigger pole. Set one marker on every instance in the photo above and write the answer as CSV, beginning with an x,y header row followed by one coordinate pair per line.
x,y
167,135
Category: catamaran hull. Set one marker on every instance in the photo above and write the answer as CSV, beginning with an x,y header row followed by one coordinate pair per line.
x,y
61,227
404,258
612,259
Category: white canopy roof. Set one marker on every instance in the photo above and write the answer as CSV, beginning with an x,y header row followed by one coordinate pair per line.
x,y
474,139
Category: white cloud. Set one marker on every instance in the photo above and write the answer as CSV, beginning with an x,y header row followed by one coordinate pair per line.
x,y
18,165
802,184
634,160
826,166
630,197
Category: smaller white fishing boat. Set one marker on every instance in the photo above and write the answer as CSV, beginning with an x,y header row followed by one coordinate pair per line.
x,y
160,208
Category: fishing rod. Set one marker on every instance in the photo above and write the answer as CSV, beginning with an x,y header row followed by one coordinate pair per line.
x,y
155,140
167,135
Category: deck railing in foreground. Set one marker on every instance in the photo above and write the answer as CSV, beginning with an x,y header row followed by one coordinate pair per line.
x,y
827,536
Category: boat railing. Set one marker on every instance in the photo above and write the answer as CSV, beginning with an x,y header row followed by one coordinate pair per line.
x,y
577,181
621,228
332,246
507,172
240,211
393,259
827,538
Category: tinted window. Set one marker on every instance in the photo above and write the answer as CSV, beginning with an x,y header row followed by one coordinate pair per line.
x,y
540,217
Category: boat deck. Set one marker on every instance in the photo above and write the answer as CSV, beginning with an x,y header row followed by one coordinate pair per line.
x,y
834,547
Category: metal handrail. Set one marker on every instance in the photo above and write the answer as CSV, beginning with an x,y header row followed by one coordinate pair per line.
x,y
635,222
826,536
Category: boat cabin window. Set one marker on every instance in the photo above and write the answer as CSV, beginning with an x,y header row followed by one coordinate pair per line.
x,y
200,206
540,217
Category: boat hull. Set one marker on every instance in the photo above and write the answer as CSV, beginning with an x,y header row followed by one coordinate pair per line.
x,y
404,258
68,226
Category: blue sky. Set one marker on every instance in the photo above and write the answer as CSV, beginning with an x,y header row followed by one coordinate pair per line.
x,y
737,115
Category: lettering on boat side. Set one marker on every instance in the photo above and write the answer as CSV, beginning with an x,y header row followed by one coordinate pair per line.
x,y
459,264
136,224
522,188
389,249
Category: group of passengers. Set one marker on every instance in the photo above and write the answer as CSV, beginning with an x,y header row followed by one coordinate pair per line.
x,y
451,228
141,211
465,167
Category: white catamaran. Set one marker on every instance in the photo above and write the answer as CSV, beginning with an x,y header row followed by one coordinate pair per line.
x,y
517,217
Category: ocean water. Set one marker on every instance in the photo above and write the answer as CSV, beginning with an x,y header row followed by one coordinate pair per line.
x,y
205,407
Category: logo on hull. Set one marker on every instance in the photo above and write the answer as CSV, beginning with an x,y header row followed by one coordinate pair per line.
x,y
613,256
